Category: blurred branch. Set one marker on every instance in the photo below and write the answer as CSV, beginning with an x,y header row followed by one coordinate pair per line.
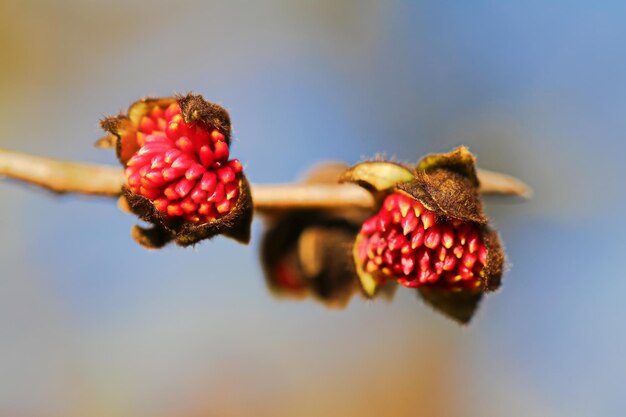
x,y
103,180
62,176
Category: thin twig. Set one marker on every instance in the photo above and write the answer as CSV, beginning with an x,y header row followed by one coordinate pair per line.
x,y
105,180
62,176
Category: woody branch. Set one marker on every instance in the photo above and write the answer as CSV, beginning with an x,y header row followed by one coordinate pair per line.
x,y
102,180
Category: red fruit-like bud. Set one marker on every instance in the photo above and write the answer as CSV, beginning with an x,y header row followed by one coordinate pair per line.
x,y
183,161
419,264
431,230
175,153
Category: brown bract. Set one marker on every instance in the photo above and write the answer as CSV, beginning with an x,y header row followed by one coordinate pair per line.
x,y
122,129
195,109
235,224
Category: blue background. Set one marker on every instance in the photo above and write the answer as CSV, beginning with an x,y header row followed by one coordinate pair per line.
x,y
92,324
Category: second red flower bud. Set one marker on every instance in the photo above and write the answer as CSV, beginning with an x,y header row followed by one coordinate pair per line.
x,y
413,245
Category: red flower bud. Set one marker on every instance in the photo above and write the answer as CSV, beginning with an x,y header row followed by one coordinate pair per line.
x,y
429,233
398,235
157,171
179,177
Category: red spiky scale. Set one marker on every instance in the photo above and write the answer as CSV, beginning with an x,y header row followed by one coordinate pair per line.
x,y
208,182
183,162
408,263
232,190
449,263
185,144
198,196
428,218
150,192
221,152
183,168
433,237
170,174
223,206
206,155
416,247
473,242
170,192
417,239
183,187
172,131
195,171
156,177
147,124
235,164
161,204
174,210
217,136
188,206
218,194
226,174
158,162
172,110
205,208
384,221
170,156
447,236
408,223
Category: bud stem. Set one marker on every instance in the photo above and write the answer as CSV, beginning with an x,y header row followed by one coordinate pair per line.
x,y
103,180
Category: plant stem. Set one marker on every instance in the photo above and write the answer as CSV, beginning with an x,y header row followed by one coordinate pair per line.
x,y
103,180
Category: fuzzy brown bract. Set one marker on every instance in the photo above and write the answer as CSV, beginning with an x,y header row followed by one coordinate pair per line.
x,y
195,109
122,129
236,224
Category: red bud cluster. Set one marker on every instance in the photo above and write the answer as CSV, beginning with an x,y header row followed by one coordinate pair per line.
x,y
406,242
175,153
430,232
183,168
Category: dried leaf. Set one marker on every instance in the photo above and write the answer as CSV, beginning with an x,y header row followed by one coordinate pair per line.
x,y
150,238
459,160
460,306
378,175
491,275
447,193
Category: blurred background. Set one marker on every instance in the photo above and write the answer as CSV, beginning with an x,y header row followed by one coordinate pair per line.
x,y
93,325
